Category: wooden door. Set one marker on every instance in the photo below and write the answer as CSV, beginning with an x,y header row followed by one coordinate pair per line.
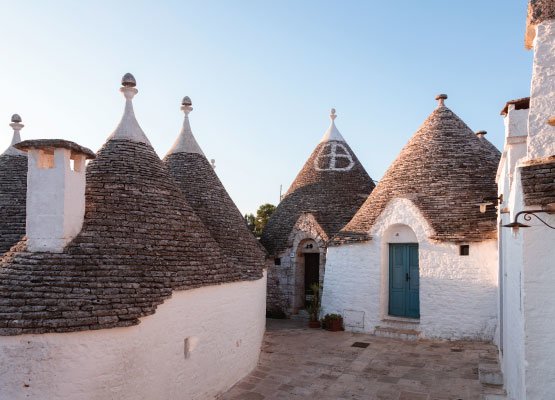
x,y
404,280
311,273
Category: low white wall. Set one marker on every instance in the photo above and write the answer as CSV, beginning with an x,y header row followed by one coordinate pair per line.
x,y
221,326
457,293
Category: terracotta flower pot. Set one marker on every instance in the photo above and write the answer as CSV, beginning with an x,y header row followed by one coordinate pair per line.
x,y
335,325
314,324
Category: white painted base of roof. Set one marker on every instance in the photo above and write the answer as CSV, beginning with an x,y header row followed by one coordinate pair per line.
x,y
197,344
457,293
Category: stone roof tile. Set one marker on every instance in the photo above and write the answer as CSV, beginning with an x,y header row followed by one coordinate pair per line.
x,y
140,241
332,185
538,182
445,170
207,196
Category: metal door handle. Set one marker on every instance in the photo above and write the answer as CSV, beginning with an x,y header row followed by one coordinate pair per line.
x,y
407,277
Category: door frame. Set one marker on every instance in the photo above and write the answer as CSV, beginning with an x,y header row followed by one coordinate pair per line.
x,y
410,278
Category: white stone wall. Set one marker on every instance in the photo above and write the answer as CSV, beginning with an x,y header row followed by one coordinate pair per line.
x,y
197,344
541,142
457,293
528,264
527,259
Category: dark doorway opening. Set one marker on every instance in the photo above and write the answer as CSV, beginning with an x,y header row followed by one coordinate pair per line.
x,y
311,274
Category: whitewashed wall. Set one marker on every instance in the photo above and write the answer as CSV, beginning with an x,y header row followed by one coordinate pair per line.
x,y
528,258
529,304
457,293
221,326
541,141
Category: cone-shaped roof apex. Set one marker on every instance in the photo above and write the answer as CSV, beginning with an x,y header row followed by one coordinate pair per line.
x,y
332,132
332,185
129,128
16,137
186,142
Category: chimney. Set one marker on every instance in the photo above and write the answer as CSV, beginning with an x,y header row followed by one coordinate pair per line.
x,y
515,117
480,134
55,192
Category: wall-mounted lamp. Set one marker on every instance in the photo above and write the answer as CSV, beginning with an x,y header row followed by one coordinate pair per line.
x,y
527,216
488,201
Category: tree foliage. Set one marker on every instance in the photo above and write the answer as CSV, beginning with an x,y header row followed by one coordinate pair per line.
x,y
257,223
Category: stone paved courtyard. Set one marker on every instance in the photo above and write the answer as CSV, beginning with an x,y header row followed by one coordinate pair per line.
x,y
301,363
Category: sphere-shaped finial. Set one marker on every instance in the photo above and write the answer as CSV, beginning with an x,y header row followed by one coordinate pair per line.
x,y
441,99
186,101
332,114
128,80
16,118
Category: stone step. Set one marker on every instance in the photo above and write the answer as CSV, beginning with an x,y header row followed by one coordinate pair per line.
x,y
302,315
490,374
400,323
396,333
486,396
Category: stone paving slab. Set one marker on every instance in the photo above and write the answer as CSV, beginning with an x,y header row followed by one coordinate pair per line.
x,y
301,363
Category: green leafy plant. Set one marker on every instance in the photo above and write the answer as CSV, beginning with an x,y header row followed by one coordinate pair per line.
x,y
332,317
315,304
332,322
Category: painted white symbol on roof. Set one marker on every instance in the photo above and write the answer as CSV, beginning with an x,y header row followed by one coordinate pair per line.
x,y
334,157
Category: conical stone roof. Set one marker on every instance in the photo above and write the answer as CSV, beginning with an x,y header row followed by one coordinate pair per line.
x,y
332,185
205,193
140,241
445,170
13,191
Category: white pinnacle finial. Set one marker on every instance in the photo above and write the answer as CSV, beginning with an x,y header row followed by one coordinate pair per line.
x,y
213,163
186,142
332,133
128,127
16,138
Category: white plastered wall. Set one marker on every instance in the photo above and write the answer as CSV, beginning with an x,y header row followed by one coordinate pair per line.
x,y
529,305
197,344
541,141
457,293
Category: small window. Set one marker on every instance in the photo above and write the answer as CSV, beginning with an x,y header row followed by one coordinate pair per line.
x,y
277,261
464,249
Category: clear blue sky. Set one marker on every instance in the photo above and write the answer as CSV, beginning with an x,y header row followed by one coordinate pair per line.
x,y
262,75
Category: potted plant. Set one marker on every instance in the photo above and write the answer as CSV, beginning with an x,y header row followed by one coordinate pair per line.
x,y
333,322
314,307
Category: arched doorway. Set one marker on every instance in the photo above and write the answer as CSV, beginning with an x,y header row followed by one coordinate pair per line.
x,y
403,272
308,271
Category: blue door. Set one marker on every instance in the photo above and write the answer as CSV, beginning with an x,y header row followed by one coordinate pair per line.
x,y
404,279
